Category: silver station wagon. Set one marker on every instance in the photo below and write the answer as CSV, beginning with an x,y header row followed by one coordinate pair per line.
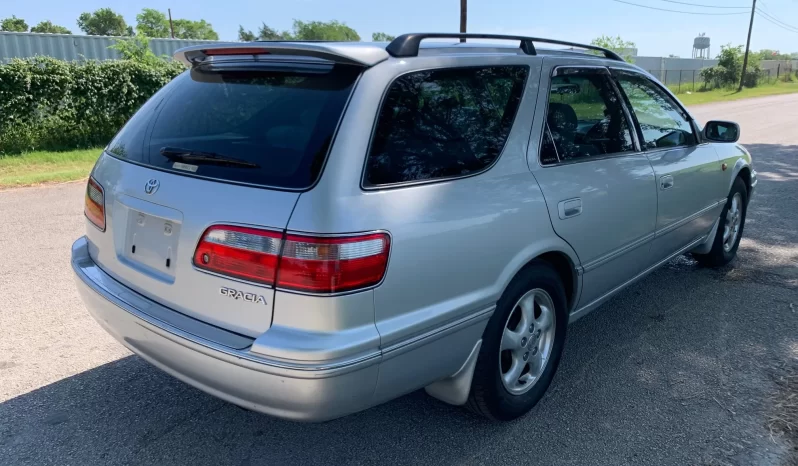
x,y
309,229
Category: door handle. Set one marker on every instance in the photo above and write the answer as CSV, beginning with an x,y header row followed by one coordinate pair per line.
x,y
569,208
666,182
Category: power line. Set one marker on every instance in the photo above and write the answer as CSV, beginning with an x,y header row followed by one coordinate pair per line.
x,y
678,11
768,16
765,10
774,22
707,6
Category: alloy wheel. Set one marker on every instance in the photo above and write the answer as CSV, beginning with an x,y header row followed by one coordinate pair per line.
x,y
527,341
731,227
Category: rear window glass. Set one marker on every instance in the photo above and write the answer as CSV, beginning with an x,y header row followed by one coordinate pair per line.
x,y
256,126
444,123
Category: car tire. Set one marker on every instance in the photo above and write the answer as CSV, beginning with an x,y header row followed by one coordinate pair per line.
x,y
495,392
724,248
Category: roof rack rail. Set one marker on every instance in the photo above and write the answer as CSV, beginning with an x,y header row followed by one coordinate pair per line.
x,y
407,45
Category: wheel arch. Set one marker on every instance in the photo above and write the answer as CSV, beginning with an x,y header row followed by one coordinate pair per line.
x,y
745,174
456,388
567,272
565,263
742,170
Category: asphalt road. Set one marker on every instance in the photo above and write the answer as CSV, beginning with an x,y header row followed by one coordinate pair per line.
x,y
678,369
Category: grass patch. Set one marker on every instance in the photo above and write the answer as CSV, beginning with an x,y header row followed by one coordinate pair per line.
x,y
723,95
783,419
46,167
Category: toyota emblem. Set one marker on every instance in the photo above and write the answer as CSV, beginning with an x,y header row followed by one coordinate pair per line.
x,y
151,186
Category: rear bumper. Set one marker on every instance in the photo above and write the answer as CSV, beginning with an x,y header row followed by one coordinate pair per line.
x,y
219,362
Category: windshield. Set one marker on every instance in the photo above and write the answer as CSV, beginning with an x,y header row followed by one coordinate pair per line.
x,y
278,124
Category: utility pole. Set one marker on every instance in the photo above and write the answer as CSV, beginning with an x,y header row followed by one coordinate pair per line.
x,y
463,17
172,28
747,47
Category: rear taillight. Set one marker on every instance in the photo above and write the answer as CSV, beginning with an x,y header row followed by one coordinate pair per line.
x,y
331,265
94,207
240,252
295,262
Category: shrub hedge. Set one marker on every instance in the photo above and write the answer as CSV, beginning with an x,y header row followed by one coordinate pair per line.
x,y
50,104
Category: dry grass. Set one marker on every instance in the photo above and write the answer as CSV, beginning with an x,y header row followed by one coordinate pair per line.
x,y
783,419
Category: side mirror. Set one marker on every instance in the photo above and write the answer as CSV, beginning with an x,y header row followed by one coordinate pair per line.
x,y
722,131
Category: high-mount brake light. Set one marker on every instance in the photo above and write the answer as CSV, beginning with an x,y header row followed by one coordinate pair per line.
x,y
236,51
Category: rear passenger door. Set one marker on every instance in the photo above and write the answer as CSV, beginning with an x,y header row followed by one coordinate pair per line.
x,y
599,188
689,174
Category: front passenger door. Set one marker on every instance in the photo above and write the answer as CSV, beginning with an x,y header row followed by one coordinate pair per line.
x,y
688,173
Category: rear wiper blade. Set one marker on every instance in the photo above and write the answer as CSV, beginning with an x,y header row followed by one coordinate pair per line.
x,y
186,155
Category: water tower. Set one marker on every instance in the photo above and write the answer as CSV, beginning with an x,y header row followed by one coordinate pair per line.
x,y
701,46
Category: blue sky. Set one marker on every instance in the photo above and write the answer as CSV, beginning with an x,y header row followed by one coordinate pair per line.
x,y
656,33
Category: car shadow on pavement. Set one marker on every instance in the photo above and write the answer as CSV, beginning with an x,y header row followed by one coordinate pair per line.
x,y
769,249
674,370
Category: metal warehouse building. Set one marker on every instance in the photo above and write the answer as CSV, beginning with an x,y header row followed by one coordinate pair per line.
x,y
75,47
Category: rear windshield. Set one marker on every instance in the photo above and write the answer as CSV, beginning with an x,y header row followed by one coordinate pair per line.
x,y
258,126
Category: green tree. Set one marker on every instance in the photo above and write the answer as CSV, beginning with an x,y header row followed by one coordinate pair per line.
x,y
137,48
730,66
767,54
381,37
197,30
245,35
731,58
311,30
320,30
264,33
50,28
13,24
104,22
152,23
267,33
624,48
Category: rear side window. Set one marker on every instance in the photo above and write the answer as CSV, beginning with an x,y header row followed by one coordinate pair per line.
x,y
444,123
253,125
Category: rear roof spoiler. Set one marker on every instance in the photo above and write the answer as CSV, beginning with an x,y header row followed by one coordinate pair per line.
x,y
349,53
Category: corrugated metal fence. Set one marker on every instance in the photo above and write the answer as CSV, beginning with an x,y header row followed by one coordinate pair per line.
x,y
74,47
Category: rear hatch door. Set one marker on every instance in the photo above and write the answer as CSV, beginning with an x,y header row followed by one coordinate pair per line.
x,y
230,143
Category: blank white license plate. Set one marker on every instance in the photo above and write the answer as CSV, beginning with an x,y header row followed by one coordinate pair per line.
x,y
151,242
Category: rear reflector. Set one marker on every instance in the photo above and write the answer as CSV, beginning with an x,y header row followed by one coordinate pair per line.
x,y
295,262
331,265
94,206
240,252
